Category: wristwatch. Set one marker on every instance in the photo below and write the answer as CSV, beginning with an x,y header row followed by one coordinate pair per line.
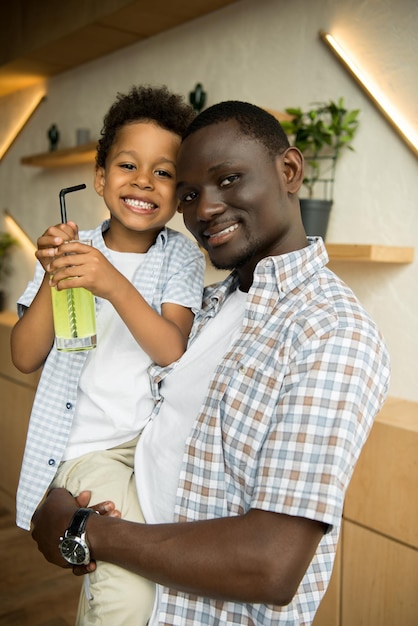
x,y
73,546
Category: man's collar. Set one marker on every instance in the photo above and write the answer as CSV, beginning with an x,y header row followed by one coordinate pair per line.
x,y
289,269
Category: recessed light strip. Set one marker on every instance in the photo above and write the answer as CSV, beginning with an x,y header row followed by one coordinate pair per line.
x,y
20,124
17,231
402,127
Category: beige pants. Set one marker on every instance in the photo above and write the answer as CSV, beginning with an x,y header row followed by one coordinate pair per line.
x,y
116,596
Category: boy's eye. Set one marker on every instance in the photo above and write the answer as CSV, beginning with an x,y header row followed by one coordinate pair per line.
x,y
228,180
127,166
164,173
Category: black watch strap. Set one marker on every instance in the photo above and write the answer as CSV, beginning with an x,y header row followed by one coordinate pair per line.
x,y
78,523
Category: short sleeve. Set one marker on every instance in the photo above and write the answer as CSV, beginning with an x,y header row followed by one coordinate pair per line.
x,y
31,290
331,394
184,285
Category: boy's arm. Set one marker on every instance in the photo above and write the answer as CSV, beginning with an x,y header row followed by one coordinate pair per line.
x,y
33,335
163,337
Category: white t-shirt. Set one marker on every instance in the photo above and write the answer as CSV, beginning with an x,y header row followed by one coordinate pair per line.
x,y
114,398
160,450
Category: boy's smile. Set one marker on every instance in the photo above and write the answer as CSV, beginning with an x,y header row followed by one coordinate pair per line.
x,y
138,182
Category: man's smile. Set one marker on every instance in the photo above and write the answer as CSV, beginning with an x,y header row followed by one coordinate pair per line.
x,y
218,235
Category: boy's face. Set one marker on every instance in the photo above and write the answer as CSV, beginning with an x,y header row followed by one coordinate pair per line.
x,y
139,179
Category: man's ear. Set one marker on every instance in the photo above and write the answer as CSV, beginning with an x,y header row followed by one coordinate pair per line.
x,y
291,166
99,180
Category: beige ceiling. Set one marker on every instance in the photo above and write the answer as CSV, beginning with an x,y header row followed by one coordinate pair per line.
x,y
41,38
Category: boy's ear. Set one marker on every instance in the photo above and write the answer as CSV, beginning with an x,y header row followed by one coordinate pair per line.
x,y
99,180
291,166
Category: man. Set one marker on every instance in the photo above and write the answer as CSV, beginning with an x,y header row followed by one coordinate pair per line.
x,y
285,372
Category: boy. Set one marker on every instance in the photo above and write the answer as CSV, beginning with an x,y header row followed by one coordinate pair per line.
x,y
91,406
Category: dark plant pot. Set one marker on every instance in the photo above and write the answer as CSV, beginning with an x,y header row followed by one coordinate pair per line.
x,y
315,216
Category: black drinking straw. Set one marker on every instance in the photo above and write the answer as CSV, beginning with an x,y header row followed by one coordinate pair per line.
x,y
70,294
62,200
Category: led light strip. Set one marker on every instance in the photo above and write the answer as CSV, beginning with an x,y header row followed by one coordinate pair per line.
x,y
17,231
402,127
20,124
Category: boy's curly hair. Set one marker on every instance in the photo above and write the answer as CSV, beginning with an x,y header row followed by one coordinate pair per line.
x,y
156,104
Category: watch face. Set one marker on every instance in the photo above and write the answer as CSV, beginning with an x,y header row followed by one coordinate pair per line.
x,y
74,551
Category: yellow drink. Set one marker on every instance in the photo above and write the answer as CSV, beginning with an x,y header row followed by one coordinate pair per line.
x,y
74,319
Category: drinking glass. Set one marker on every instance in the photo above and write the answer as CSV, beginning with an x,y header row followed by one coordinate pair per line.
x,y
74,317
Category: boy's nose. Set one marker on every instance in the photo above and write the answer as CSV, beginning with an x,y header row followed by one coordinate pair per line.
x,y
143,180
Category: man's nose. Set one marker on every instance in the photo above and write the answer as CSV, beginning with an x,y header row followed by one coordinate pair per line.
x,y
209,205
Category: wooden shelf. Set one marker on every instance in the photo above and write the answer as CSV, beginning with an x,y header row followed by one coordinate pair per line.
x,y
280,116
363,253
369,253
62,158
399,413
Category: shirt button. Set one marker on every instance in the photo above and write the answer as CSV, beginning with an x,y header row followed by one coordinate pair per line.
x,y
68,405
242,369
51,462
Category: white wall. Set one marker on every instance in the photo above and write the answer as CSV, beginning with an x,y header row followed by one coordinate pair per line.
x,y
267,52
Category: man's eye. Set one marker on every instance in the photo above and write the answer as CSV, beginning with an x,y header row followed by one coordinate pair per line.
x,y
229,180
188,197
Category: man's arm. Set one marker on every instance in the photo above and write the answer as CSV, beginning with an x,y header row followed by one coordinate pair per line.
x,y
260,557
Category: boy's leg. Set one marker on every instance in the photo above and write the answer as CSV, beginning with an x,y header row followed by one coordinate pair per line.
x,y
116,595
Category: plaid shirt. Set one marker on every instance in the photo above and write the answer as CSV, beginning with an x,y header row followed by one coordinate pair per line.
x,y
287,413
172,272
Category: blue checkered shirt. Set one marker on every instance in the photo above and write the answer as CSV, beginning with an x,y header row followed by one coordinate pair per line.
x,y
286,415
171,272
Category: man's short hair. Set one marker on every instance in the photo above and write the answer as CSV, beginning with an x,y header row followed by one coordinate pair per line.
x,y
252,120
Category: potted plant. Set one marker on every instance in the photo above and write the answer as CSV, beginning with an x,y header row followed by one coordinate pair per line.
x,y
321,134
6,243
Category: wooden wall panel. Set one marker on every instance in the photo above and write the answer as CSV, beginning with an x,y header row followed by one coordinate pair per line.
x,y
17,391
15,406
383,493
380,580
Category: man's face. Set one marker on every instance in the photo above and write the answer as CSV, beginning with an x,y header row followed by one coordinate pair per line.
x,y
233,196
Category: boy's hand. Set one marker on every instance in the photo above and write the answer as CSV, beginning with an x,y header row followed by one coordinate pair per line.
x,y
52,238
87,267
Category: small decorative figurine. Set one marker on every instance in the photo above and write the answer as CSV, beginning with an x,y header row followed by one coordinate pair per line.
x,y
53,136
197,98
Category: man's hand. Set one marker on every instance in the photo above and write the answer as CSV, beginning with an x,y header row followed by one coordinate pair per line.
x,y
50,522
52,518
104,508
